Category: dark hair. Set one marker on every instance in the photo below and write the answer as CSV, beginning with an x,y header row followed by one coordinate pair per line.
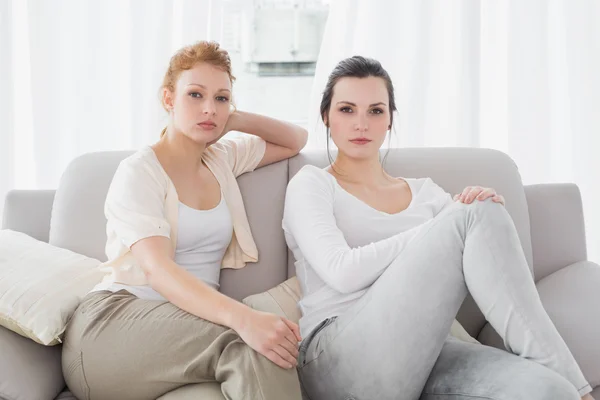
x,y
355,67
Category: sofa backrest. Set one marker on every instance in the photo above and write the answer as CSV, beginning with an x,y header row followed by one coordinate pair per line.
x,y
78,221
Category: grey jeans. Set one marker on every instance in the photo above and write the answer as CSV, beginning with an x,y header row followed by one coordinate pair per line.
x,y
393,342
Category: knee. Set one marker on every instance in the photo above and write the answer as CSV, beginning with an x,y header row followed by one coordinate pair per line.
x,y
488,212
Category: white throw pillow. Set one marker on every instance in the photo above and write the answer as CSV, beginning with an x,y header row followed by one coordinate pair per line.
x,y
283,300
41,286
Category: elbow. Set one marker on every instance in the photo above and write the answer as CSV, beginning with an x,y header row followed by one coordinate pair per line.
x,y
152,271
301,140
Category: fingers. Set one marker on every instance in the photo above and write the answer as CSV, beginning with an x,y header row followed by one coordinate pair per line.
x,y
486,194
277,359
463,194
294,328
289,360
472,193
498,199
469,193
289,346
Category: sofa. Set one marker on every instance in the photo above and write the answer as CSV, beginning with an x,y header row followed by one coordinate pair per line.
x,y
548,217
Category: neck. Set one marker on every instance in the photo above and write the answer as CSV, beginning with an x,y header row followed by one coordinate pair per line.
x,y
362,171
180,150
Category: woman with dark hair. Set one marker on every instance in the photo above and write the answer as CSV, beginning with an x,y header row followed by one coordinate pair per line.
x,y
385,263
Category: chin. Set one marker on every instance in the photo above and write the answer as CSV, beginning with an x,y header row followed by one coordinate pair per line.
x,y
203,137
361,153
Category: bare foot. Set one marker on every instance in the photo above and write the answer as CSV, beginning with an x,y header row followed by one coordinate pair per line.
x,y
587,397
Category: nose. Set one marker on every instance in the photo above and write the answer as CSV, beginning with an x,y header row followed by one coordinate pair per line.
x,y
209,107
361,124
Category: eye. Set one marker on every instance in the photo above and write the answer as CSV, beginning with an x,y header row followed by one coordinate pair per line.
x,y
222,99
346,109
377,111
195,95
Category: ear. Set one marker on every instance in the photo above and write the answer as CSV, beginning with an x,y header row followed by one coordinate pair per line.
x,y
167,98
325,120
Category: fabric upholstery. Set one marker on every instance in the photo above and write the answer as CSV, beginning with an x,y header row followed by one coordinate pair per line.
x,y
78,221
88,177
28,211
263,192
66,395
571,297
557,227
28,370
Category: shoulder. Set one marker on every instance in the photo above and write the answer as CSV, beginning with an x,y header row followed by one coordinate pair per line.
x,y
140,168
311,177
425,190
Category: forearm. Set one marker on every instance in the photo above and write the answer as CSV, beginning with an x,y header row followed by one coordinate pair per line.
x,y
272,130
192,295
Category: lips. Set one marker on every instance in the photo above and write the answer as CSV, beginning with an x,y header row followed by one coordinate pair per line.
x,y
207,125
360,141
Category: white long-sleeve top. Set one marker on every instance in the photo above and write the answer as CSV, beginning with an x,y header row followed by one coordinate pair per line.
x,y
341,244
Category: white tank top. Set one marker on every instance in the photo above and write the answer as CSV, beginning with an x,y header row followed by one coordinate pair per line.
x,y
202,238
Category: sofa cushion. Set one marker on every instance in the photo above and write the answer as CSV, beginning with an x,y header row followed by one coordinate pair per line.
x,y
28,370
77,222
41,286
66,395
281,300
571,298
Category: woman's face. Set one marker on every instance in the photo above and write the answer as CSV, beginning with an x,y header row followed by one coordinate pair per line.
x,y
359,116
200,105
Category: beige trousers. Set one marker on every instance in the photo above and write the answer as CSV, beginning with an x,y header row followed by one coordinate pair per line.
x,y
118,346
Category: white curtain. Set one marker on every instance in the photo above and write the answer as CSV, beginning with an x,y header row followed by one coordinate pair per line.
x,y
519,76
83,76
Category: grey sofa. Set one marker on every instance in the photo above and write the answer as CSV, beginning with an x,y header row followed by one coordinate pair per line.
x,y
549,220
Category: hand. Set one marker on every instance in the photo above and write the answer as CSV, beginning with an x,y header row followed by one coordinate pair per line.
x,y
272,336
472,193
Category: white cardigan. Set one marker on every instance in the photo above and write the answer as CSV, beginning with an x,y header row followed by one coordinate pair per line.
x,y
142,202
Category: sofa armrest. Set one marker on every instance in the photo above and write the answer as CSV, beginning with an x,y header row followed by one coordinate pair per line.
x,y
29,211
557,227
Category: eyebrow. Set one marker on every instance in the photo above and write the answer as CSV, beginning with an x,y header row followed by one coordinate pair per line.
x,y
204,87
352,104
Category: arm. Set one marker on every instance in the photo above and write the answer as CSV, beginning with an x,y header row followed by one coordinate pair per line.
x,y
310,221
154,255
270,335
136,217
284,140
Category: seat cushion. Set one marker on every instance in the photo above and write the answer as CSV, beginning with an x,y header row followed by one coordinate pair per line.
x,y
571,297
281,300
28,370
66,395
